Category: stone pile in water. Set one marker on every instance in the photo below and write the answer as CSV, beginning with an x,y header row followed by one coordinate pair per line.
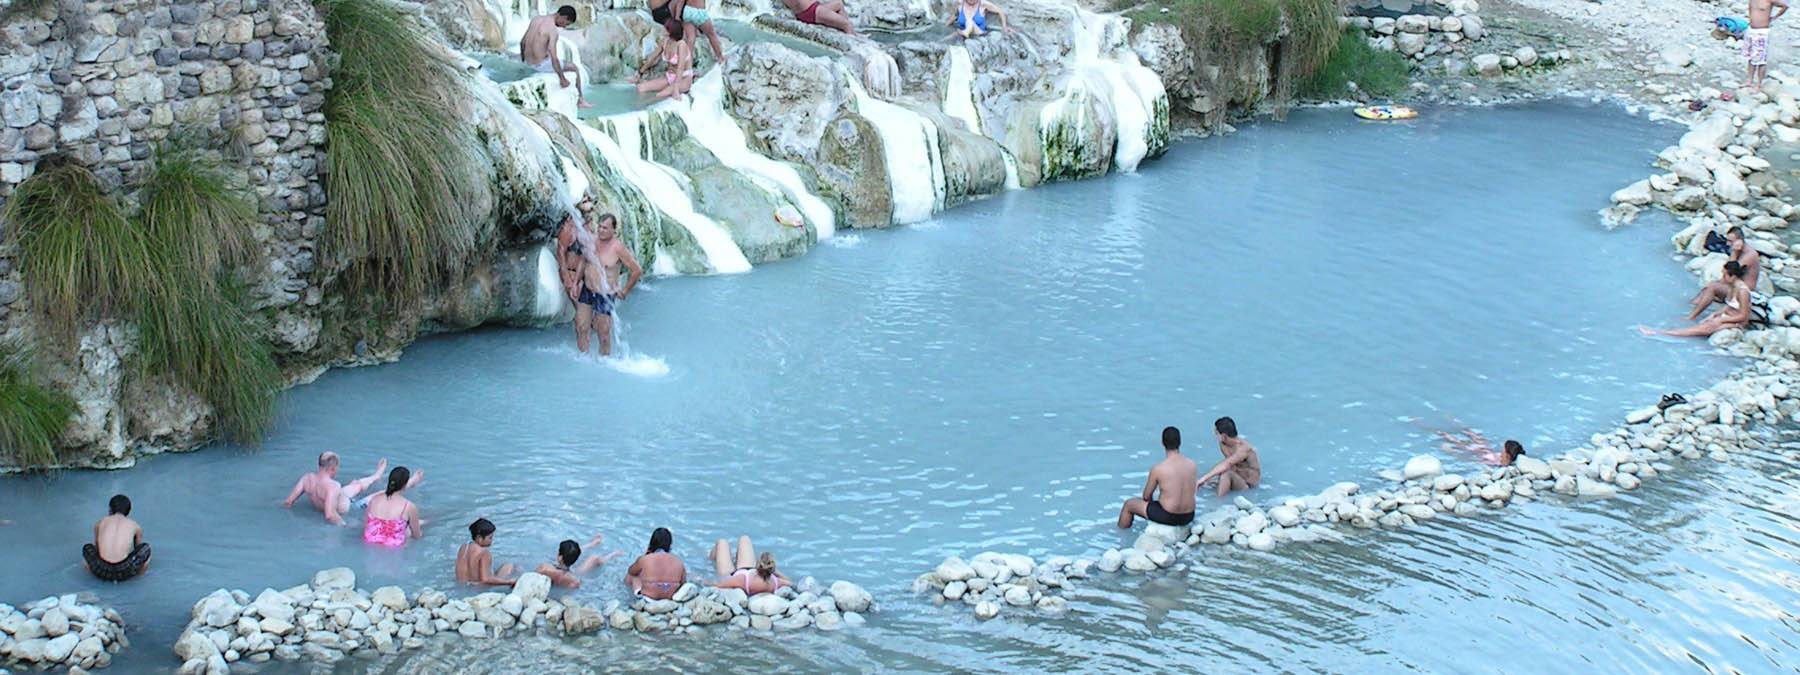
x,y
67,631
330,618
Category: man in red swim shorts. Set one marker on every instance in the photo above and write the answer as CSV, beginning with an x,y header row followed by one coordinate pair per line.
x,y
828,13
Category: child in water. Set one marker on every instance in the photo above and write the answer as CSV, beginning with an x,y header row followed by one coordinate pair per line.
x,y
475,565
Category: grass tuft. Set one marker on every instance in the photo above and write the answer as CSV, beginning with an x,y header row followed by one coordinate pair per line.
x,y
193,326
1378,73
196,211
399,158
32,418
80,256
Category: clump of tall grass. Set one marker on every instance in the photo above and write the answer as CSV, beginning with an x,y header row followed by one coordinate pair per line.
x,y
399,157
1313,36
1226,28
193,326
81,258
1378,73
32,417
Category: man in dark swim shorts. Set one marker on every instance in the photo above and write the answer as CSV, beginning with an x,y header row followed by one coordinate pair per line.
x,y
1169,491
117,538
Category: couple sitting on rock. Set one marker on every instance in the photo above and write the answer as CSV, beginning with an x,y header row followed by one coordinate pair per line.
x,y
1734,288
1169,491
656,575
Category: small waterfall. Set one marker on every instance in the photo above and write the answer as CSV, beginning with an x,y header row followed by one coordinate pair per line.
x,y
550,296
959,94
1123,84
663,186
708,123
909,143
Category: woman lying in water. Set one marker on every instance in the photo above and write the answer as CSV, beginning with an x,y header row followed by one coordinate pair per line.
x,y
752,574
1468,441
1736,313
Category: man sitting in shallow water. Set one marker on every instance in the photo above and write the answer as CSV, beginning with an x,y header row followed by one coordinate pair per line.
x,y
1242,468
119,551
1169,491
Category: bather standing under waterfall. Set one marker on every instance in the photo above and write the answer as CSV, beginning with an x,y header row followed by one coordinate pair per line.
x,y
597,276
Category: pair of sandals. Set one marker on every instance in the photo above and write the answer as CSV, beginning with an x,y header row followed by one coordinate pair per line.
x,y
1670,400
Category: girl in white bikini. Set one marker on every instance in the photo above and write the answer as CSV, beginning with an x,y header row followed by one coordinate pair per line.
x,y
1735,315
753,574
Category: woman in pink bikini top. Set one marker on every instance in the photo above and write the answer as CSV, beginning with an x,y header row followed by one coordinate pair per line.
x,y
391,516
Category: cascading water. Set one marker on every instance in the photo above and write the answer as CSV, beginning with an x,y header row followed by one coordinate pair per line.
x,y
908,141
709,124
1128,89
959,95
625,152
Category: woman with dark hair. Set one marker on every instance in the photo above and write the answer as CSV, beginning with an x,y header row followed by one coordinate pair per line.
x,y
657,574
391,516
1736,313
753,574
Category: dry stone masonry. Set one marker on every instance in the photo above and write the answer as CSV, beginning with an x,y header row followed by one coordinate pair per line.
x,y
329,618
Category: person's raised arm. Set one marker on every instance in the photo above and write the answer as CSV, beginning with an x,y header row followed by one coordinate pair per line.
x,y
299,489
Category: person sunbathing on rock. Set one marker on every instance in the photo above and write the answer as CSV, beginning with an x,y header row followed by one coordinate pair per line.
x,y
827,13
322,489
565,571
1242,468
538,49
475,565
657,574
1736,313
1719,290
118,551
675,51
971,17
1168,491
752,574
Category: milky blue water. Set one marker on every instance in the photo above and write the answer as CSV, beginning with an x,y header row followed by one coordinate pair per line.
x,y
996,379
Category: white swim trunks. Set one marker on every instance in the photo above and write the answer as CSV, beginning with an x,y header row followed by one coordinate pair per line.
x,y
543,66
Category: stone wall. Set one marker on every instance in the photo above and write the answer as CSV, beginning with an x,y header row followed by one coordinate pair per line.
x,y
101,84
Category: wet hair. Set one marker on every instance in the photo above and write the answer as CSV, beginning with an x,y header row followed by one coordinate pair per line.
x,y
328,459
1513,449
661,540
1734,268
568,552
1224,425
397,479
605,217
482,527
674,28
566,12
119,505
765,565
1171,438
1735,230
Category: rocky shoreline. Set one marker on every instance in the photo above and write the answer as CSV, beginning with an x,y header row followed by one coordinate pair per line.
x,y
328,619
68,631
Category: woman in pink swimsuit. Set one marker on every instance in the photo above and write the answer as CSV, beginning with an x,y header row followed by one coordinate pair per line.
x,y
675,53
391,516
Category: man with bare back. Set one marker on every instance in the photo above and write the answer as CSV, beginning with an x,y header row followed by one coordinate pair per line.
x,y
1242,468
1169,491
538,49
599,276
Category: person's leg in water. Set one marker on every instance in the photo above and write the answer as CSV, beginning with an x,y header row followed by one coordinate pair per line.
x,y
1706,328
1229,482
1133,509
1711,293
603,328
584,318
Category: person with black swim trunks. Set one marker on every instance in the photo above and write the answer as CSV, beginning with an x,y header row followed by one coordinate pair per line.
x,y
118,552
598,284
1169,491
